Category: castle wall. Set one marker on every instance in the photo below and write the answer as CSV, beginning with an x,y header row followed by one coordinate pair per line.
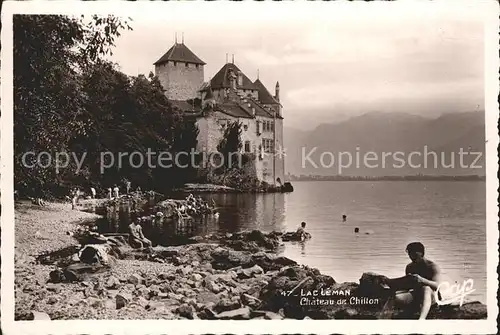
x,y
211,131
180,80
280,159
267,168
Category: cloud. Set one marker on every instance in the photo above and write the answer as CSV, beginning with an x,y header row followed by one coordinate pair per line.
x,y
339,59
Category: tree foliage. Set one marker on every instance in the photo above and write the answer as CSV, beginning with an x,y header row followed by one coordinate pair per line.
x,y
230,143
68,98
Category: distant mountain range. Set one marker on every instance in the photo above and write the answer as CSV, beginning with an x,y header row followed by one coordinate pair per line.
x,y
419,140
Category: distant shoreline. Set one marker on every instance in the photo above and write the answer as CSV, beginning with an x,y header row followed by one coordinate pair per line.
x,y
388,178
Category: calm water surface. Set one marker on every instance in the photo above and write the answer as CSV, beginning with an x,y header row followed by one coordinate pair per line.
x,y
447,217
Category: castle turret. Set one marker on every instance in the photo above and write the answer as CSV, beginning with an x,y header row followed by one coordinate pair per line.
x,y
209,100
181,72
277,91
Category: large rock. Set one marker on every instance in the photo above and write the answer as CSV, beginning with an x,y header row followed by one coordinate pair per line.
x,y
224,259
236,314
261,240
271,262
112,283
122,299
367,300
227,304
34,315
471,310
135,279
284,289
185,311
294,236
250,272
266,315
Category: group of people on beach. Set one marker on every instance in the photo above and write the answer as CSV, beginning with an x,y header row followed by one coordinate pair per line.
x,y
415,291
112,192
115,191
192,206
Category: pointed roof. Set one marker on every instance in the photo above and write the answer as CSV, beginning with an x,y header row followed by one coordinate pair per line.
x,y
265,97
221,80
179,52
241,107
209,94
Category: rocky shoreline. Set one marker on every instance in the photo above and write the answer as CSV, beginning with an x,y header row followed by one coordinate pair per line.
x,y
232,276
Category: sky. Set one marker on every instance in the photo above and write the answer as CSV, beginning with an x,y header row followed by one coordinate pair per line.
x,y
331,61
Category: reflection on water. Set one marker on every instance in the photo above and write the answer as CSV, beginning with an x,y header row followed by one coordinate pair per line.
x,y
447,217
236,212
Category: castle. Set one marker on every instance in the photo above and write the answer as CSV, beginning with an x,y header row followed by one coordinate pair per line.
x,y
229,96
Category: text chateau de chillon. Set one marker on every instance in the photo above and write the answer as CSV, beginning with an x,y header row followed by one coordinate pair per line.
x,y
230,96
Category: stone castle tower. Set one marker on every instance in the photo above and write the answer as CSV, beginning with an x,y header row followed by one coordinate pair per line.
x,y
181,72
231,96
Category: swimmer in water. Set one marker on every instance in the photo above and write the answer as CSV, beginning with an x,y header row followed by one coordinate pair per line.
x,y
344,218
366,232
301,231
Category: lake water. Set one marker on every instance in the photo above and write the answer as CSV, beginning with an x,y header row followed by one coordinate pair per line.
x,y
449,218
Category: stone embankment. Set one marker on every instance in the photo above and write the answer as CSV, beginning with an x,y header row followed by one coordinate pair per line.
x,y
212,188
207,188
230,276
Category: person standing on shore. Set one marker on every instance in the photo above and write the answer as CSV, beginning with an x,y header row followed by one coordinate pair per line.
x,y
74,198
93,192
116,191
128,185
110,194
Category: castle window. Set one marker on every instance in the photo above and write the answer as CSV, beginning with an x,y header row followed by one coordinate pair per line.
x,y
272,125
245,126
240,79
175,63
247,146
268,145
197,65
187,64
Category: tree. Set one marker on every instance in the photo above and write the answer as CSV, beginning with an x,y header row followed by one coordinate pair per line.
x,y
50,52
230,145
184,148
69,99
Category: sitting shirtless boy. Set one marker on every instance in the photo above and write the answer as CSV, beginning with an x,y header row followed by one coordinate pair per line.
x,y
136,237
